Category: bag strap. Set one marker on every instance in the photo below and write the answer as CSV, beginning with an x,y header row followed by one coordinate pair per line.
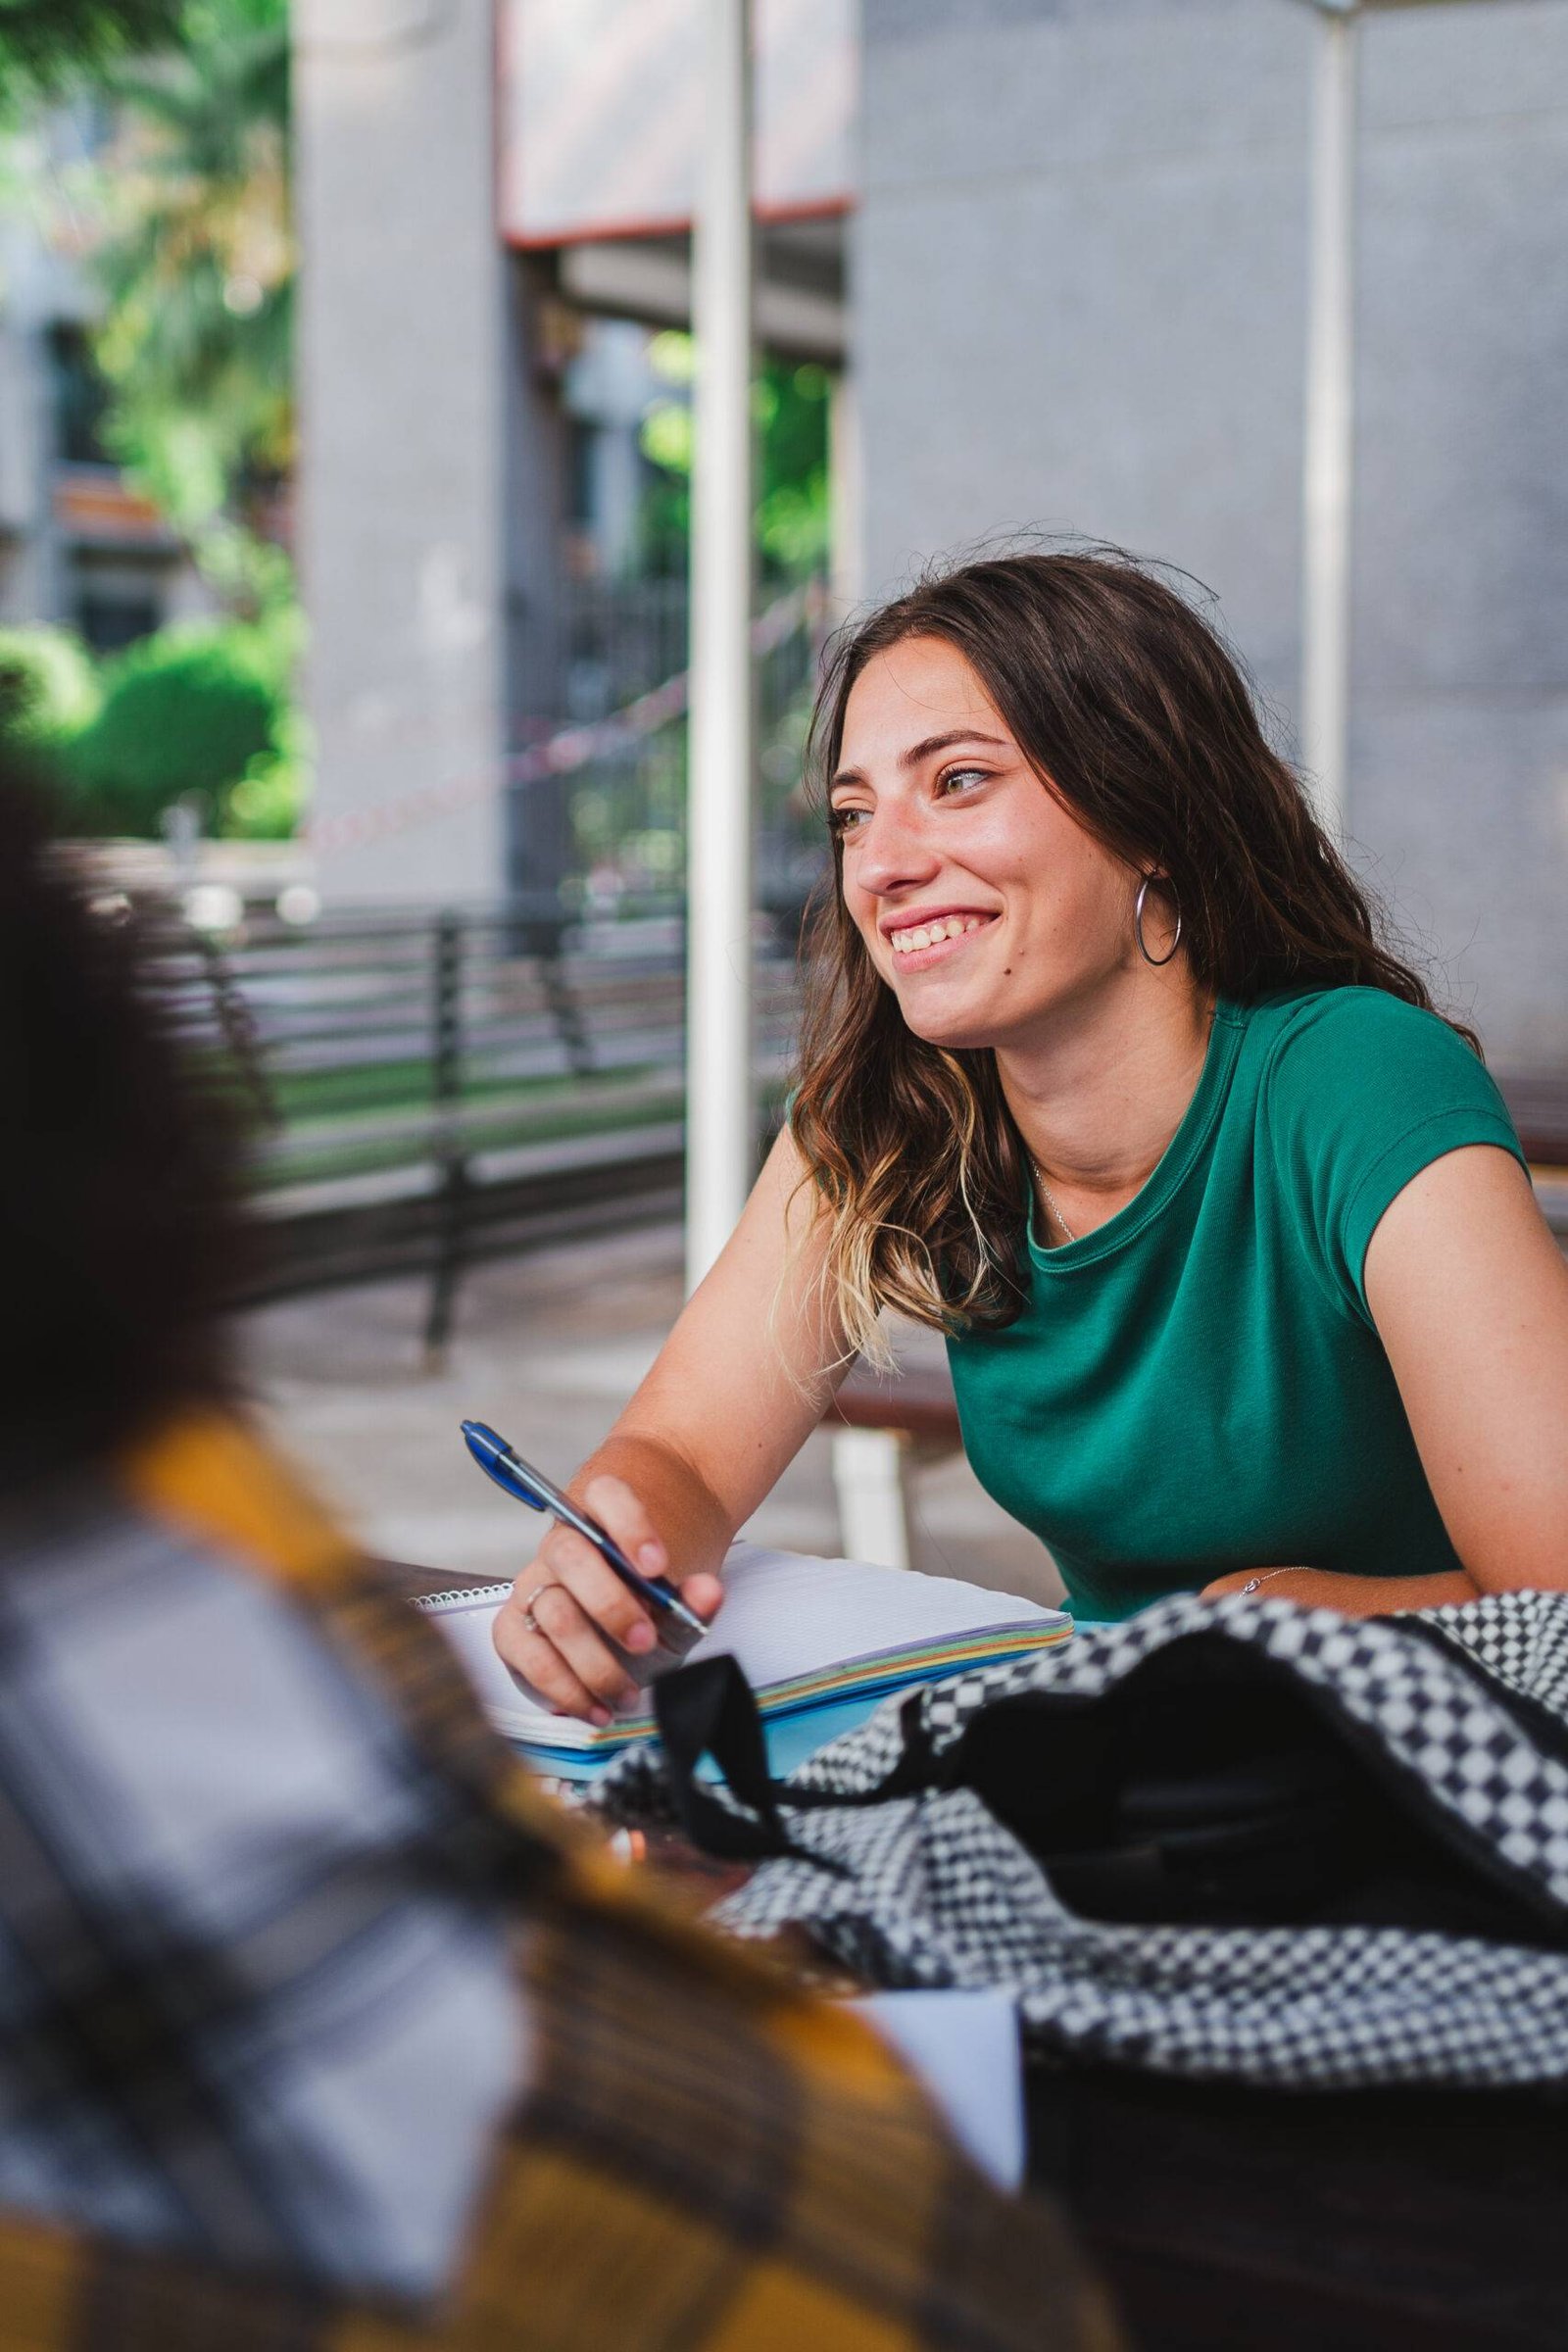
x,y
708,1709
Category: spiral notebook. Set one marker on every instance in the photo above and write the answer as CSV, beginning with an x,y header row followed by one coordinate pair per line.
x,y
808,1632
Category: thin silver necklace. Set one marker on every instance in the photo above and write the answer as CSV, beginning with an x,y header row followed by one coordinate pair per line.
x,y
1040,1173
1051,1201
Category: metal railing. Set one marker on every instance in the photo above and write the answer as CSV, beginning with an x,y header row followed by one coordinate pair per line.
x,y
422,1088
611,829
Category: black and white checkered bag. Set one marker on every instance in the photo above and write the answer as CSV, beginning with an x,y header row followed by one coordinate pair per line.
x,y
1443,1959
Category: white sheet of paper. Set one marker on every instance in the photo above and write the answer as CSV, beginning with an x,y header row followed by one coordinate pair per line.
x,y
964,2047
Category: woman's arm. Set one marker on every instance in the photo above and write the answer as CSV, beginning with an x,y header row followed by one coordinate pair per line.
x,y
1351,1596
736,1390
1469,1292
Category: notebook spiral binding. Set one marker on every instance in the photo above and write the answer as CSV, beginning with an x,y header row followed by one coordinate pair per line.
x,y
436,1601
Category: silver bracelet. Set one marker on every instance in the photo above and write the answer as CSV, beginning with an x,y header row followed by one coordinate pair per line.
x,y
1253,1582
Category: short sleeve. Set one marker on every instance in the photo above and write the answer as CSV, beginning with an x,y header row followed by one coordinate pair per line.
x,y
1363,1092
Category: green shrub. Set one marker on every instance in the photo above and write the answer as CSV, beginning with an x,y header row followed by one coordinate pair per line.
x,y
48,686
49,695
269,800
194,710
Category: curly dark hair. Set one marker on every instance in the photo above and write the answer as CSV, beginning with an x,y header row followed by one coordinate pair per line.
x,y
117,1175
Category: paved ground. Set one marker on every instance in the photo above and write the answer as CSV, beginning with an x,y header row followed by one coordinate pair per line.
x,y
547,1348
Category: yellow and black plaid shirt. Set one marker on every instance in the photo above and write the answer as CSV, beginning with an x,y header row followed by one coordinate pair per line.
x,y
700,2158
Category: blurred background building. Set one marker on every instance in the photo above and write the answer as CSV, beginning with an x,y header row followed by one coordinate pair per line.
x,y
1048,266
78,544
1024,265
498,538
1079,264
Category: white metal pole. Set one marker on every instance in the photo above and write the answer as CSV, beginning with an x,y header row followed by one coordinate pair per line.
x,y
720,1126
1330,420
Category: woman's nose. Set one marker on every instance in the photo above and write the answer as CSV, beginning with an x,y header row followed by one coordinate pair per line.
x,y
894,852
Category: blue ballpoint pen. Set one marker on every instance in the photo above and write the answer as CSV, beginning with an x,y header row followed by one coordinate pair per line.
x,y
519,1479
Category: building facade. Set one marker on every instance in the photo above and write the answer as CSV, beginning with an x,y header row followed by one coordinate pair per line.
x,y
1079,271
78,547
1063,289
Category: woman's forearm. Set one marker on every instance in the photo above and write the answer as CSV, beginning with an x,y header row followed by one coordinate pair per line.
x,y
1354,1596
692,1523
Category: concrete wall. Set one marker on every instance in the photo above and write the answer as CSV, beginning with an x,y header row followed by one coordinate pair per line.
x,y
36,288
1079,282
401,474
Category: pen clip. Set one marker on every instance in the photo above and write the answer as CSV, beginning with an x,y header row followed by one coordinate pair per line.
x,y
497,1461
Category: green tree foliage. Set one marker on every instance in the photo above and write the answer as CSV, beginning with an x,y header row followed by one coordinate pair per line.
x,y
204,711
47,44
790,408
49,696
199,711
48,687
197,266
195,259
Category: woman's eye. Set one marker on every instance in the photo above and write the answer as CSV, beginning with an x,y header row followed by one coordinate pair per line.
x,y
951,776
845,820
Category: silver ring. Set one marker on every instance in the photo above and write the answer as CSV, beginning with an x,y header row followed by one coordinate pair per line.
x,y
528,1617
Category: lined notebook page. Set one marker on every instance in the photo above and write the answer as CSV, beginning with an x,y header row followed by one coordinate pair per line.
x,y
785,1614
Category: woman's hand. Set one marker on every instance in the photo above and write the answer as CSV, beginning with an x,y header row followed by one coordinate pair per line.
x,y
568,1607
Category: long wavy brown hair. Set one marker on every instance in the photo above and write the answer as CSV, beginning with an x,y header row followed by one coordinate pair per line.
x,y
1120,694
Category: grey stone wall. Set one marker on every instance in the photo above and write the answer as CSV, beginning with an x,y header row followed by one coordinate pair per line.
x,y
401,446
1079,297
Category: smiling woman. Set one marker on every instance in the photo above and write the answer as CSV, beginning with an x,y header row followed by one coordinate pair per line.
x,y
1101,779
1106,1074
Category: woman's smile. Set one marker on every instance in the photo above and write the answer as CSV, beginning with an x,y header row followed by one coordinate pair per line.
x,y
919,941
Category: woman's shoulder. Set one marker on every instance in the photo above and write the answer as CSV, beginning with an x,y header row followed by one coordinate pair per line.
x,y
1296,1026
1331,1052
1357,1092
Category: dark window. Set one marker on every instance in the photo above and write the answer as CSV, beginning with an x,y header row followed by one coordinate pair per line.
x,y
79,396
581,440
109,621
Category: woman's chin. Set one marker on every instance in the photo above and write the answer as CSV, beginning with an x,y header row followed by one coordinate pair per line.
x,y
956,1028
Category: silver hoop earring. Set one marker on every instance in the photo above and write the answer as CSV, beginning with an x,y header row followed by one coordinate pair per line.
x,y
1158,961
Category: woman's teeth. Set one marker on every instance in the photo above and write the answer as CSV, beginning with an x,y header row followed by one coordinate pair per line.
x,y
926,935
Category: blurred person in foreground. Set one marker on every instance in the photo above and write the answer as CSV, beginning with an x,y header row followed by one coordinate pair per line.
x,y
320,2024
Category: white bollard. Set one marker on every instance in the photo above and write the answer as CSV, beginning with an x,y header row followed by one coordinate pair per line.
x,y
868,1473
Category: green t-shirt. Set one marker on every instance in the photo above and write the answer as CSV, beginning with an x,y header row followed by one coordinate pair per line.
x,y
1198,1386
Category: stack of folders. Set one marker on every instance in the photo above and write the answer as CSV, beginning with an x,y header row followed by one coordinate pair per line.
x,y
820,1643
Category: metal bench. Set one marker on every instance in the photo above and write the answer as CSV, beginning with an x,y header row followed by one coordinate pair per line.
x,y
427,1087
